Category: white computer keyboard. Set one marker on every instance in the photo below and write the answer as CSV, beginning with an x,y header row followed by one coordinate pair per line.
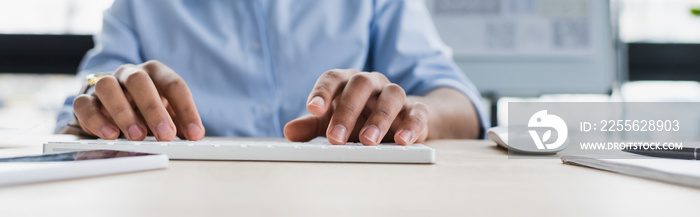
x,y
317,150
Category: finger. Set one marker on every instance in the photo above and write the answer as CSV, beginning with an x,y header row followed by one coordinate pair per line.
x,y
119,109
91,119
178,94
170,110
350,105
307,127
326,88
389,104
414,125
136,110
147,100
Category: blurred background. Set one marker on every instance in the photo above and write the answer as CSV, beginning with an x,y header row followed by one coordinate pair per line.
x,y
513,50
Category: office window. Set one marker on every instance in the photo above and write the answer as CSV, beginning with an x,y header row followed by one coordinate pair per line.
x,y
52,16
659,21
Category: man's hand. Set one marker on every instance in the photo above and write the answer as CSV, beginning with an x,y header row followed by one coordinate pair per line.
x,y
347,105
139,99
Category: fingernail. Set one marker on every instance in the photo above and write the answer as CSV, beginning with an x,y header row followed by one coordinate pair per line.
x,y
338,133
164,131
406,136
372,134
135,132
109,132
317,101
194,131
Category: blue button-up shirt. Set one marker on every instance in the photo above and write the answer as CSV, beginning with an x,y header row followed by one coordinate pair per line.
x,y
251,64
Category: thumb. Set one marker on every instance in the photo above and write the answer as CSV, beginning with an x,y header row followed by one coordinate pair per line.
x,y
302,129
307,127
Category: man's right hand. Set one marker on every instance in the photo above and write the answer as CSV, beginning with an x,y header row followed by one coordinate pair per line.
x,y
138,100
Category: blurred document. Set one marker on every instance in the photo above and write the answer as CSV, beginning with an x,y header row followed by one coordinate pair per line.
x,y
516,27
681,172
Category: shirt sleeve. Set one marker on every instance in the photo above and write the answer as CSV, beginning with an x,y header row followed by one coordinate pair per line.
x,y
408,50
116,45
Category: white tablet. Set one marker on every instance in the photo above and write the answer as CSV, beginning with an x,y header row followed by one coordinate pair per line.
x,y
39,168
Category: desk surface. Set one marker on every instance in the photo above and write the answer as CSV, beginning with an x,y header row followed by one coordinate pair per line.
x,y
470,178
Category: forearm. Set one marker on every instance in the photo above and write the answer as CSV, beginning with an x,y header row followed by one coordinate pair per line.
x,y
451,114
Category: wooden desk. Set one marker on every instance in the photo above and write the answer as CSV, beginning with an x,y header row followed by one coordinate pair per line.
x,y
470,178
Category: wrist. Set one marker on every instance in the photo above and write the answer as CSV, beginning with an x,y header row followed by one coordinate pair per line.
x,y
451,114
